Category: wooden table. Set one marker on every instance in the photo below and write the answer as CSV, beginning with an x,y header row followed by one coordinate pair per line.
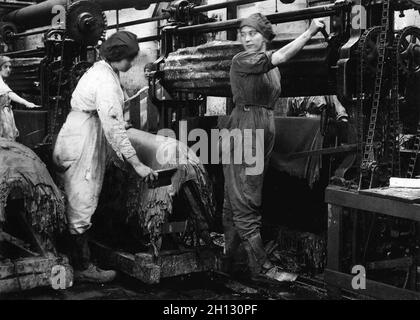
x,y
340,199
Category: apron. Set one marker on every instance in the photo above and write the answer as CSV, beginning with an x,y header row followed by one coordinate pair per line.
x,y
8,128
80,155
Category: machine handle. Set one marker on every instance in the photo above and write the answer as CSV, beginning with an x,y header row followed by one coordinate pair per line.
x,y
325,34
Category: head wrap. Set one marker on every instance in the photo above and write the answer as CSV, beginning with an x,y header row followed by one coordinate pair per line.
x,y
4,59
120,45
260,23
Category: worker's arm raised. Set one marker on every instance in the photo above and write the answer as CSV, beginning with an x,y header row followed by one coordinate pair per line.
x,y
290,50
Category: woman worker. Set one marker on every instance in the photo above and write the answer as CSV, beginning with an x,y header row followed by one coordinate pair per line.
x,y
8,128
255,82
93,130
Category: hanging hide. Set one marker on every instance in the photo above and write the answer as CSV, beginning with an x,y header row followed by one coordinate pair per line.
x,y
146,209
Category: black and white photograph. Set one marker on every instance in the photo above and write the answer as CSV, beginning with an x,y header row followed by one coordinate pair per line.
x,y
210,158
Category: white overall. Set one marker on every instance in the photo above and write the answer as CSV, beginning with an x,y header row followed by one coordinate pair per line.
x,y
8,128
82,147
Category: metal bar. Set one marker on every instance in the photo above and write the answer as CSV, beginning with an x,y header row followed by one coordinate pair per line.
x,y
31,52
117,17
282,17
333,150
40,14
203,8
15,4
139,21
17,243
147,39
221,5
29,33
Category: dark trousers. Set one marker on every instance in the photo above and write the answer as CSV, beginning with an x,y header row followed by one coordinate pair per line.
x,y
243,191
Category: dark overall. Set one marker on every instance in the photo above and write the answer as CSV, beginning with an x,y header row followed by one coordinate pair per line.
x,y
256,89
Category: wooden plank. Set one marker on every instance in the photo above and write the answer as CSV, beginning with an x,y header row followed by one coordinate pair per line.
x,y
334,236
31,281
373,289
350,199
136,266
395,182
400,263
21,245
188,262
29,273
30,265
408,195
145,267
26,282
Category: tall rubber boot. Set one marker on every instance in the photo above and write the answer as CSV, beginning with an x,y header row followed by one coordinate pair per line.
x,y
257,256
84,270
259,263
234,258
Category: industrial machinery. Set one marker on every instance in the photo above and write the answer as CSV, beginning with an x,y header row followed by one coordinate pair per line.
x,y
372,67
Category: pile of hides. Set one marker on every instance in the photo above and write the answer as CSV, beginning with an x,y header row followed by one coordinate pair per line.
x,y
203,69
297,134
147,209
21,170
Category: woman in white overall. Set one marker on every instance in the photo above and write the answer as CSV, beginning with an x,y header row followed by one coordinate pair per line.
x,y
8,128
93,130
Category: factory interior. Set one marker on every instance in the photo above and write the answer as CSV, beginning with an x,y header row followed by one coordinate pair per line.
x,y
337,208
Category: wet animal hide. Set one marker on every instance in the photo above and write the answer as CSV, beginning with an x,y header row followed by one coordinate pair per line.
x,y
22,171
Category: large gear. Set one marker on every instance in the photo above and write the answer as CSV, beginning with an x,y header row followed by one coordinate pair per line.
x,y
86,23
6,30
408,41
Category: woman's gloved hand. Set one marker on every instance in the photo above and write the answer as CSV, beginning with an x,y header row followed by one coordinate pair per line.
x,y
146,173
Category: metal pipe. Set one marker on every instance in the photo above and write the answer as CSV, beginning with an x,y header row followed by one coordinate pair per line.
x,y
198,9
139,21
282,17
40,14
30,53
221,5
147,39
29,33
15,4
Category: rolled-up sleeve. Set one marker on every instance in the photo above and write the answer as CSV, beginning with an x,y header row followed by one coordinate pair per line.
x,y
110,111
4,88
252,62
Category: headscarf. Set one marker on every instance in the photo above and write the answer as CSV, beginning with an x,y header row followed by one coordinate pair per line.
x,y
120,45
260,23
4,59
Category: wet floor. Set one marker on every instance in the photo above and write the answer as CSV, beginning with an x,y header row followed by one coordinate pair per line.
x,y
209,286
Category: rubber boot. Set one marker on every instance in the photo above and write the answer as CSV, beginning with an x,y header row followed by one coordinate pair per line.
x,y
234,258
84,270
259,263
257,256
